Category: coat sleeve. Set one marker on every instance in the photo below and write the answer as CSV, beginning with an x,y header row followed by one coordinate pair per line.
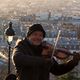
x,y
20,59
59,69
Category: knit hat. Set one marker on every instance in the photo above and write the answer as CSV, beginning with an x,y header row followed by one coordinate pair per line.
x,y
36,27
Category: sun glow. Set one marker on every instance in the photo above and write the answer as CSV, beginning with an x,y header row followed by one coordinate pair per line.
x,y
3,56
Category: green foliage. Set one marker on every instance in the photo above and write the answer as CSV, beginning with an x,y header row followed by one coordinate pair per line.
x,y
73,75
1,33
3,72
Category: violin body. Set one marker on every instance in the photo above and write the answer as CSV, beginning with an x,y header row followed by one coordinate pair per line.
x,y
60,53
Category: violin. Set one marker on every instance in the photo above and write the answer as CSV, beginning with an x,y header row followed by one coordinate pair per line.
x,y
62,53
59,53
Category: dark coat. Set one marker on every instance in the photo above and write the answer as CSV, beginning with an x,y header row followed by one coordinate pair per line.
x,y
30,65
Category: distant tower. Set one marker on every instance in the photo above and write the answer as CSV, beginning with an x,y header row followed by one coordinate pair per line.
x,y
49,15
78,32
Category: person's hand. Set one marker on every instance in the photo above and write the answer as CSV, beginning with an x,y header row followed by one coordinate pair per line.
x,y
47,50
76,56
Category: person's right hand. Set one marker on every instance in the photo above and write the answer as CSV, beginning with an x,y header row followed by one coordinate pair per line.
x,y
76,57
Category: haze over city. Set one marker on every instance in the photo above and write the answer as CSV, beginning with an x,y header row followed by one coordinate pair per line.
x,y
10,7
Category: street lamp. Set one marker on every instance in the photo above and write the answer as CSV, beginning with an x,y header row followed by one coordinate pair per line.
x,y
9,32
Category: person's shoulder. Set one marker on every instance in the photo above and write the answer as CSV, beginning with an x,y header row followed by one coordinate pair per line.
x,y
19,41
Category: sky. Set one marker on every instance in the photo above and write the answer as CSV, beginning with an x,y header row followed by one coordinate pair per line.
x,y
33,6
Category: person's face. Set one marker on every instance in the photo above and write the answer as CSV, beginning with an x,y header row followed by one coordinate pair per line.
x,y
36,37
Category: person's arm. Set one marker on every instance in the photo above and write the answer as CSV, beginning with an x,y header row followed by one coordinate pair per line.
x,y
21,59
59,69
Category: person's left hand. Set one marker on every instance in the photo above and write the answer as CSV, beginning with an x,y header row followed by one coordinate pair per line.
x,y
47,50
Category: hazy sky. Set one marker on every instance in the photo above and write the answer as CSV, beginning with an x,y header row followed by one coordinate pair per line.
x,y
32,6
